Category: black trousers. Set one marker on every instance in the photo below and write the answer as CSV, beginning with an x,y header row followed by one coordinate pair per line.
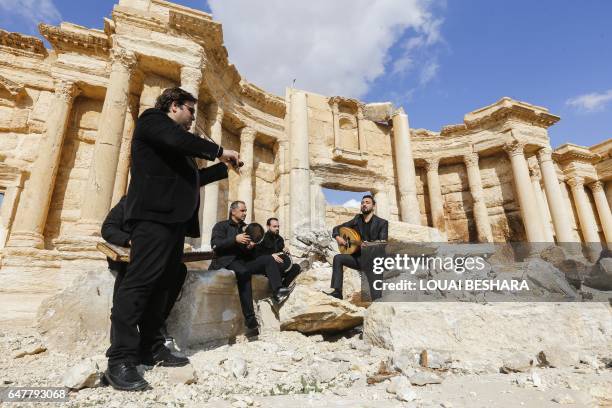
x,y
141,302
244,270
353,262
291,274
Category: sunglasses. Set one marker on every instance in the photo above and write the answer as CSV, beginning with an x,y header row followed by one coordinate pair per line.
x,y
190,109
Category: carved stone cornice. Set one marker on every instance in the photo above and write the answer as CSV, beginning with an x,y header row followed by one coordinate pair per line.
x,y
348,102
14,88
202,27
573,153
23,43
247,134
269,103
63,40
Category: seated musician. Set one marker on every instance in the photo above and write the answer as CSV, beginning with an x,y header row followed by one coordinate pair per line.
x,y
273,244
370,227
234,250
116,231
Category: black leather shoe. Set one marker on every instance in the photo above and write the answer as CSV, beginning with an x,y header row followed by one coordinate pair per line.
x,y
166,358
336,293
125,377
282,294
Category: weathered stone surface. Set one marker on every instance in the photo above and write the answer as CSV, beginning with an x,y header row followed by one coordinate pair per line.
x,y
78,318
458,329
378,112
183,375
310,311
84,374
600,276
208,311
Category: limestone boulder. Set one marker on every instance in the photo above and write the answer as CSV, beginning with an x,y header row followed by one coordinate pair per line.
x,y
378,112
600,276
77,319
208,311
310,311
457,329
405,233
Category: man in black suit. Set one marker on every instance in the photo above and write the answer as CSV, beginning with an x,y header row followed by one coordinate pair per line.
x,y
234,251
161,209
371,228
116,231
273,244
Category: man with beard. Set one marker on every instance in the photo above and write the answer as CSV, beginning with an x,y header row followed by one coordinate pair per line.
x,y
273,244
371,228
234,250
161,210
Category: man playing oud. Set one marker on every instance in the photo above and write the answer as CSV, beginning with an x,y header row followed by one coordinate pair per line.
x,y
370,227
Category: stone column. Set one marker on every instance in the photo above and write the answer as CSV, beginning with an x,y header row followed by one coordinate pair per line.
x,y
300,164
191,79
436,202
609,192
539,197
99,189
404,163
586,217
603,209
123,167
335,117
481,214
363,148
524,191
318,205
245,184
382,203
209,197
31,216
558,210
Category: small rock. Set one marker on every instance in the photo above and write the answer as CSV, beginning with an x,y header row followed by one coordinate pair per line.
x,y
446,404
238,367
279,368
297,357
31,350
355,376
341,392
517,363
563,399
406,394
423,378
397,382
83,375
536,379
325,372
183,375
473,394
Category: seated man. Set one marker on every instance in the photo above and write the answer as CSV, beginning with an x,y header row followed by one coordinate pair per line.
x,y
234,250
116,232
371,228
273,244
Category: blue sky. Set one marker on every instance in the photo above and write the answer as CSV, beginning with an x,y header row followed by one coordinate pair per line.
x,y
438,59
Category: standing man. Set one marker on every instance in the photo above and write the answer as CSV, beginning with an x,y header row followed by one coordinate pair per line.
x,y
234,251
371,228
161,209
273,244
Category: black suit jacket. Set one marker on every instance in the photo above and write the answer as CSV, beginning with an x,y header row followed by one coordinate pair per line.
x,y
223,243
379,229
165,181
271,244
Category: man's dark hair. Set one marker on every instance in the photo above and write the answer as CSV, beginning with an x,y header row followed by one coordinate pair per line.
x,y
235,204
270,220
370,197
176,94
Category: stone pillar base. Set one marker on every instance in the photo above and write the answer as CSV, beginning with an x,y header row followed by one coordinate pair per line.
x,y
26,239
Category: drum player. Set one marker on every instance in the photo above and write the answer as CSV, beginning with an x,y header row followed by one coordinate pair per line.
x,y
274,244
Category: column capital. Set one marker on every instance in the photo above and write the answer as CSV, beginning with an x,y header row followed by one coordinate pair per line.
x,y
66,89
515,148
191,75
597,187
575,181
544,154
432,164
123,58
471,159
534,172
247,134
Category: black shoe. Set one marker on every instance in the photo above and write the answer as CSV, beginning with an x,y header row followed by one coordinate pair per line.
x,y
336,293
166,358
252,327
282,294
125,377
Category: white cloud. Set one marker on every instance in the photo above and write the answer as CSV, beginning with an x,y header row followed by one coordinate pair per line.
x,y
592,102
33,11
428,72
352,203
331,47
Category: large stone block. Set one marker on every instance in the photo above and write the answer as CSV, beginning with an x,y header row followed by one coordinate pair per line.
x,y
208,311
460,329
